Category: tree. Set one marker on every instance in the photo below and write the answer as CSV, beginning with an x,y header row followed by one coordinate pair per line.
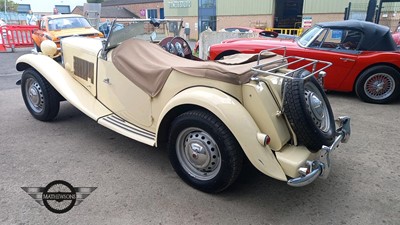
x,y
93,1
11,6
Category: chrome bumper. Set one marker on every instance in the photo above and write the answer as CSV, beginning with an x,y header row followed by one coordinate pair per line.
x,y
321,167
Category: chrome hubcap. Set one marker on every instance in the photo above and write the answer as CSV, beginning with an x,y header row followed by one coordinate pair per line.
x,y
198,153
317,108
34,95
379,86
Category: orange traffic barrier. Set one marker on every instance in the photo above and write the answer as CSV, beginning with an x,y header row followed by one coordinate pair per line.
x,y
16,36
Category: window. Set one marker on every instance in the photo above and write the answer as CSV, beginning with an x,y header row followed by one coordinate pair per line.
x,y
162,16
63,9
308,36
68,23
206,4
43,24
23,8
151,13
337,39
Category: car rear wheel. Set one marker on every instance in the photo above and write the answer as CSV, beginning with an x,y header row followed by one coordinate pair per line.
x,y
203,151
309,112
379,84
41,99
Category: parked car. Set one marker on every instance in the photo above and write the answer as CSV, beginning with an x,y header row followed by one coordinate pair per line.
x,y
145,84
364,56
262,33
55,27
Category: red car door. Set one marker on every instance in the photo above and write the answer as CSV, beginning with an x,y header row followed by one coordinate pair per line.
x,y
343,61
338,46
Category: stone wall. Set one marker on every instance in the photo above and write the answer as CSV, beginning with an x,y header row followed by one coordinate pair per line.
x,y
136,8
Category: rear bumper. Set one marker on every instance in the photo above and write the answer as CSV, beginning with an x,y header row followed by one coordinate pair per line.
x,y
321,166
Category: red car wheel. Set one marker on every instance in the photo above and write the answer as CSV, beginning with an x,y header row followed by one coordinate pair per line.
x,y
379,84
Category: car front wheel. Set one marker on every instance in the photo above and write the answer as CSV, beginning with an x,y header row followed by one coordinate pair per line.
x,y
203,151
379,84
41,99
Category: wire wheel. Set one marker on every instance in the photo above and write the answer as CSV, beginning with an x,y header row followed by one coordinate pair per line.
x,y
379,86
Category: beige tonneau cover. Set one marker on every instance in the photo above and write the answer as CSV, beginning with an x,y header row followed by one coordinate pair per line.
x,y
148,65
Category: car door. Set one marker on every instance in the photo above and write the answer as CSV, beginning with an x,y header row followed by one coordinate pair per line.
x,y
333,45
122,96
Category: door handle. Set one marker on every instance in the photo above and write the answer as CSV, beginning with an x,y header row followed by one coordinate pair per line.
x,y
347,60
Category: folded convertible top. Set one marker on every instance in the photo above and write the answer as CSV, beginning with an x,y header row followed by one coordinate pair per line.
x,y
148,66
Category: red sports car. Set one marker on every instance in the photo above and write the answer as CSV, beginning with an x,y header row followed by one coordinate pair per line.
x,y
364,56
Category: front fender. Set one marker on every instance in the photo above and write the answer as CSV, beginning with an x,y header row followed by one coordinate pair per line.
x,y
64,83
238,121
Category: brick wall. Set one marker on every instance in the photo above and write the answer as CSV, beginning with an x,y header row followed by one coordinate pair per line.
x,y
78,11
193,29
317,18
256,21
135,8
260,21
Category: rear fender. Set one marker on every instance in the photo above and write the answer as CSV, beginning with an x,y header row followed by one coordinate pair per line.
x,y
232,113
64,83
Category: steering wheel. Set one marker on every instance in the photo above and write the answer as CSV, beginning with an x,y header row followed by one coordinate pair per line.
x,y
177,46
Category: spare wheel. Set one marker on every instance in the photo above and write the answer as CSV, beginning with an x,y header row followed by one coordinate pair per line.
x,y
308,111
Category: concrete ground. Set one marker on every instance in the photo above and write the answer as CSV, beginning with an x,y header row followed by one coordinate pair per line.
x,y
136,184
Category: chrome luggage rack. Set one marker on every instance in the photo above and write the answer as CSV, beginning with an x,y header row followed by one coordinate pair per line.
x,y
290,61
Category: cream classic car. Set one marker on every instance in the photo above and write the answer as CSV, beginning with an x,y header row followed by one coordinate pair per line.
x,y
144,83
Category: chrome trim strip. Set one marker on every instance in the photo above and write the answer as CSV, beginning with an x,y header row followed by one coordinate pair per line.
x,y
121,123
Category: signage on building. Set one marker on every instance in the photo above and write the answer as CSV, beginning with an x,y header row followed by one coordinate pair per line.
x,y
142,12
307,22
180,4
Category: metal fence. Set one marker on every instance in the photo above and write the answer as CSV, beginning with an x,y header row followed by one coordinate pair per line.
x,y
358,11
390,13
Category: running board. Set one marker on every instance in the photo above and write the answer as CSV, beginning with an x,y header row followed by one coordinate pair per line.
x,y
127,129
